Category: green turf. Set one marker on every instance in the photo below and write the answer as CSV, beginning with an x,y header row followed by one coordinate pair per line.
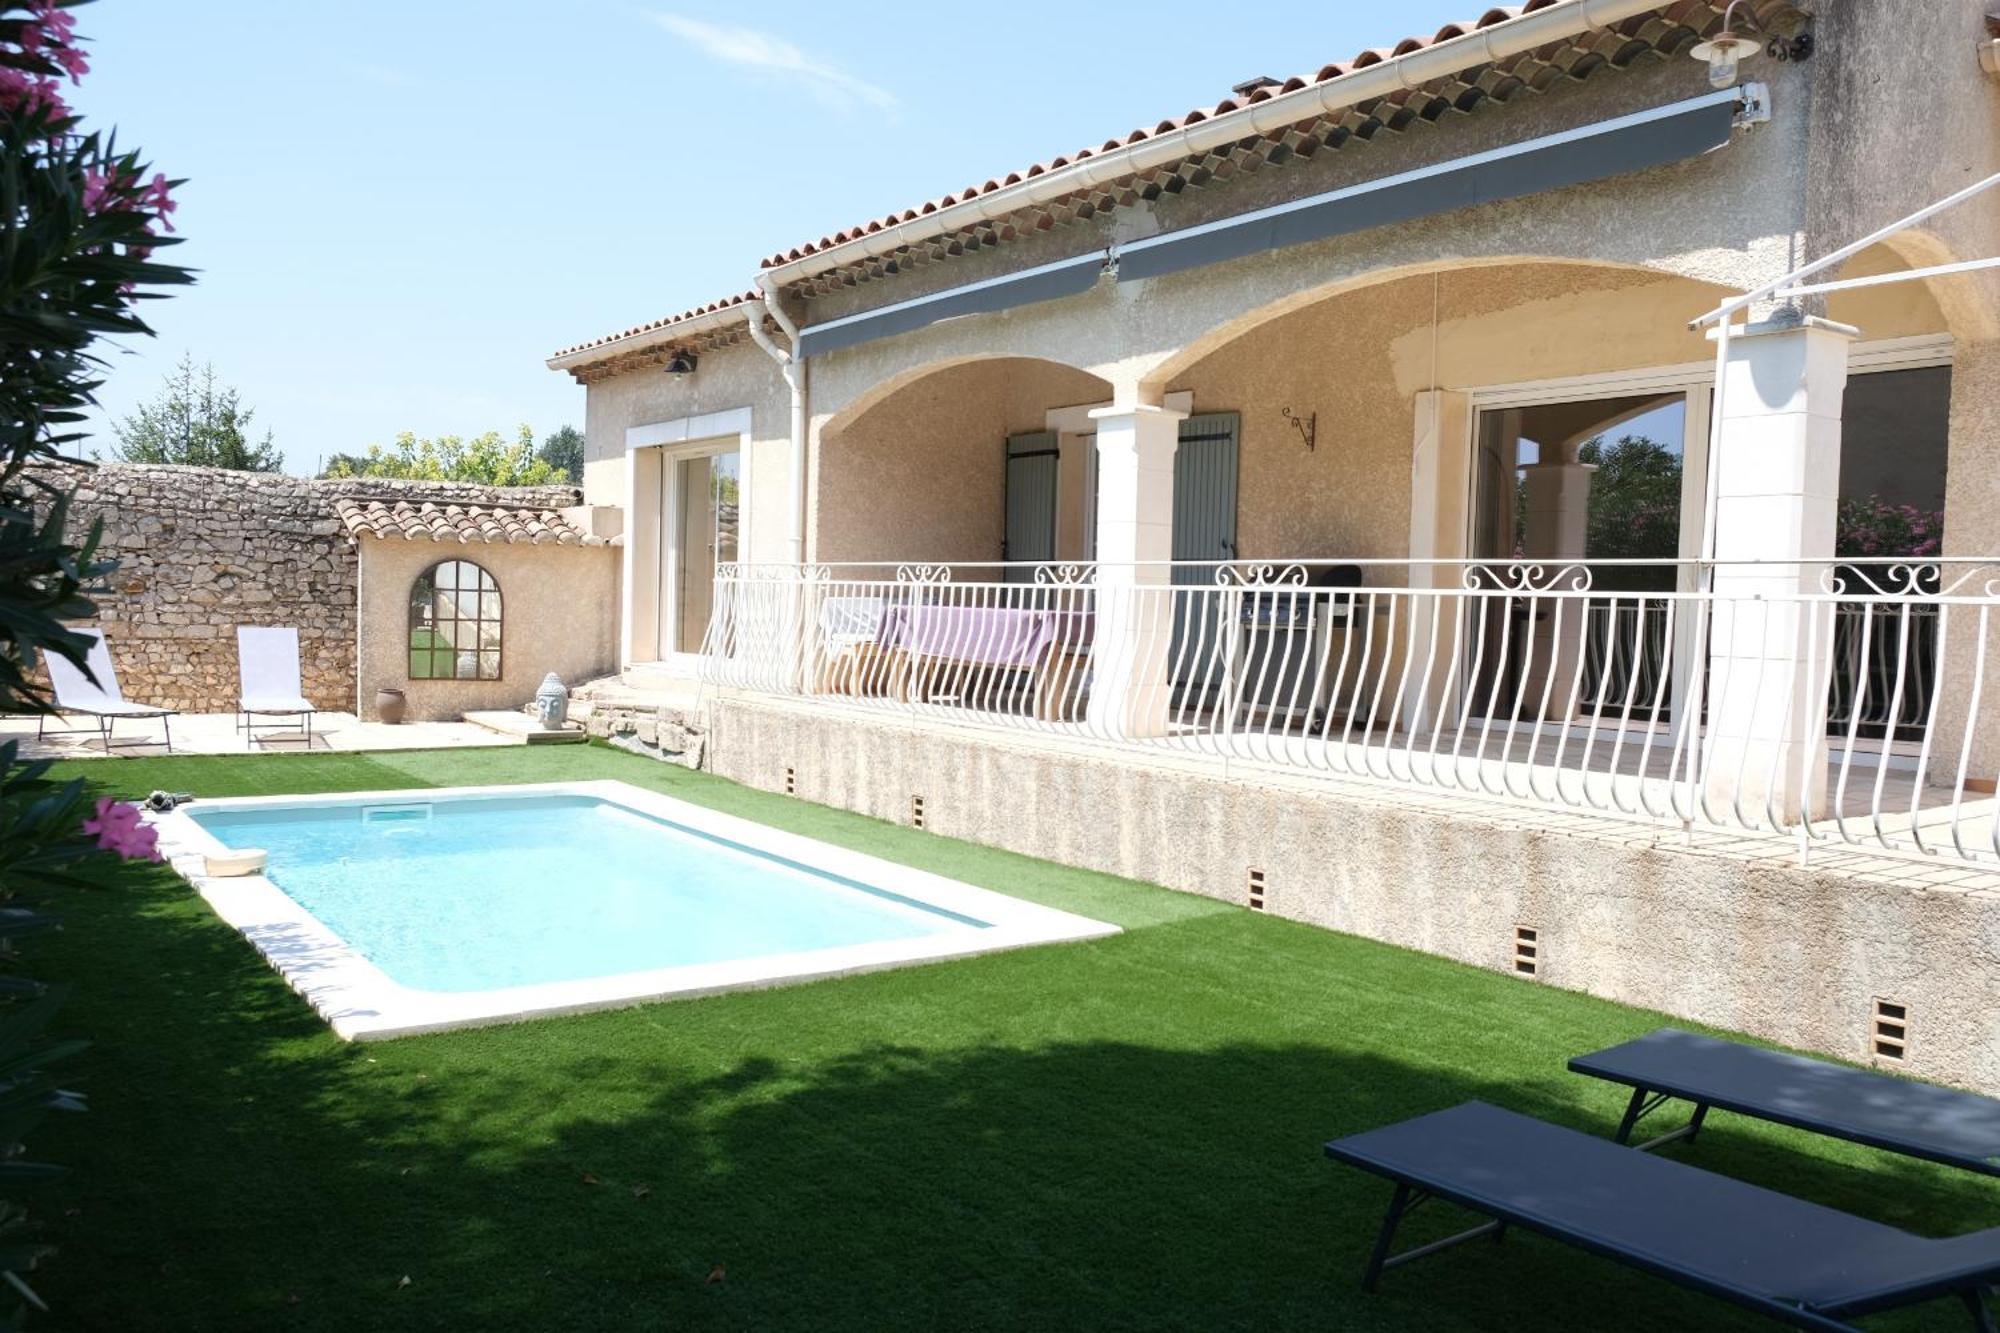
x,y
1119,1134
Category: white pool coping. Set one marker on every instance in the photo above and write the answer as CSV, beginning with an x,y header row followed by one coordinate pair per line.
x,y
362,1002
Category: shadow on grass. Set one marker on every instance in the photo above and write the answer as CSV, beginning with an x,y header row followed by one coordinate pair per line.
x,y
539,1177
1117,1135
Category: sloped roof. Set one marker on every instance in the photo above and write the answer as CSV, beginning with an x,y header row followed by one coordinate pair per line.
x,y
1670,29
465,524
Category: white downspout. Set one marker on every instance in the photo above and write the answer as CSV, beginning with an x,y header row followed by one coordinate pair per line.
x,y
793,368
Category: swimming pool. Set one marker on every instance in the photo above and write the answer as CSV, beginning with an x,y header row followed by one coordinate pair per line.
x,y
413,911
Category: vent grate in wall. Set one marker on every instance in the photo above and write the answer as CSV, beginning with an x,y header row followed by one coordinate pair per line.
x,y
1891,1029
1527,951
916,812
1256,890
791,781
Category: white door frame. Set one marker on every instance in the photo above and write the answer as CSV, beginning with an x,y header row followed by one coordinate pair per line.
x,y
652,527
1695,380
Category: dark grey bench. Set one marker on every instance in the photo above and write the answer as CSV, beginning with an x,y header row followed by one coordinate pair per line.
x,y
1800,1262
1918,1119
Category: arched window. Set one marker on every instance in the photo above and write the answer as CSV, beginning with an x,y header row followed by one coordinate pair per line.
x,y
455,623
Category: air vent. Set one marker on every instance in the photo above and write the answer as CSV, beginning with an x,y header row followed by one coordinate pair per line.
x,y
1527,951
1256,886
1891,1029
791,781
916,812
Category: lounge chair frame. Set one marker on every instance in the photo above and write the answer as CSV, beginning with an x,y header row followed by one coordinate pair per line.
x,y
1409,1196
103,727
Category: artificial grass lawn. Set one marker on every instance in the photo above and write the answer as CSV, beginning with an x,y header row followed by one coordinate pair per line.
x,y
1118,1134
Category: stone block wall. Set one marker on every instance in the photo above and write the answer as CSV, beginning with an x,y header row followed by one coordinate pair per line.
x,y
203,550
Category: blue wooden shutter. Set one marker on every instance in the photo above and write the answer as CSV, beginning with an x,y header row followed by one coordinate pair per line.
x,y
1031,501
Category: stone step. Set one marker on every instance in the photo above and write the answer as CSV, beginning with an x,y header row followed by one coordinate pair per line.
x,y
525,729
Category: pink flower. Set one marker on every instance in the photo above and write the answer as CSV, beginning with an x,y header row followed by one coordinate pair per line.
x,y
25,93
119,828
158,196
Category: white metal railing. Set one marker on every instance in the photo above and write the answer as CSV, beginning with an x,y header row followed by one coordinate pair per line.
x,y
1838,703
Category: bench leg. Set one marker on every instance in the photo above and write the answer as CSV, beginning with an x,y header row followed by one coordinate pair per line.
x,y
1694,1121
1399,1203
1975,1303
1633,1110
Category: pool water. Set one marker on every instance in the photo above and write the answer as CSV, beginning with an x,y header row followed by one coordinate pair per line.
x,y
476,894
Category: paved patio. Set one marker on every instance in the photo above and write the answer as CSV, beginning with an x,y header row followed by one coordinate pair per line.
x,y
216,733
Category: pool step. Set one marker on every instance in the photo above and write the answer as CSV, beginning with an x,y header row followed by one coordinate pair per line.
x,y
525,729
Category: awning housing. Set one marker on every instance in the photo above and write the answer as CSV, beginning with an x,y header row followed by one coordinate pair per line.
x,y
1616,147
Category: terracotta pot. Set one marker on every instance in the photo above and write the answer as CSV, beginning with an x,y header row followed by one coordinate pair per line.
x,y
390,705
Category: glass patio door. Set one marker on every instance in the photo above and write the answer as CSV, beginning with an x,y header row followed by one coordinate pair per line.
x,y
1574,486
704,503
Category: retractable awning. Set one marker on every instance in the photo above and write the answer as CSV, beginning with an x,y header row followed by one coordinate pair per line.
x,y
1574,157
1046,283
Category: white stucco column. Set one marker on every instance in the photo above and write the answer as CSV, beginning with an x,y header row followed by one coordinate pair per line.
x,y
1776,484
1440,523
1556,525
1129,690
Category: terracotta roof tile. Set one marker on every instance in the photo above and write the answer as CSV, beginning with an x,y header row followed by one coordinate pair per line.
x,y
1373,56
741,298
1696,12
428,521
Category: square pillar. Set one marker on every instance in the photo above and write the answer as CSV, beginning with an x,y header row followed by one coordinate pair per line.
x,y
1441,457
1556,501
1130,692
1776,486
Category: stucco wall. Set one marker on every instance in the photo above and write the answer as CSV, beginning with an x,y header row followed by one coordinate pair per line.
x,y
727,378
560,613
1796,955
921,474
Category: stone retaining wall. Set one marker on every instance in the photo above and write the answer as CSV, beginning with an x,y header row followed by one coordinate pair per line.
x,y
203,550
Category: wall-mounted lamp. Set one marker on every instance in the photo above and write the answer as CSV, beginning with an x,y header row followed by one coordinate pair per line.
x,y
1725,51
682,362
1306,426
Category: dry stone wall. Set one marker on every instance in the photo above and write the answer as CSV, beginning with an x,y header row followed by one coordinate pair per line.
x,y
203,550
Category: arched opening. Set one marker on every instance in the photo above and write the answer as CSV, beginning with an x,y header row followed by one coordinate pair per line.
x,y
1359,362
965,461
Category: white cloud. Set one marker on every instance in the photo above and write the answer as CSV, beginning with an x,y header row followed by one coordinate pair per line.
x,y
765,54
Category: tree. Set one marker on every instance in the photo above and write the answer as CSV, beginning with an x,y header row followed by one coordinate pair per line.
x,y
1635,498
486,458
79,224
193,422
563,451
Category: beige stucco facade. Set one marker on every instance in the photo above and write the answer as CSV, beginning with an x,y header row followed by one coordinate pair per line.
x,y
1397,342
902,454
559,604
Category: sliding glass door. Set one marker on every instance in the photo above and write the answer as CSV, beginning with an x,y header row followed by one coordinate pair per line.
x,y
1583,488
701,501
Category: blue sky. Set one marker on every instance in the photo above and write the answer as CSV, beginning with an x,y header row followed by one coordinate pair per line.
x,y
399,209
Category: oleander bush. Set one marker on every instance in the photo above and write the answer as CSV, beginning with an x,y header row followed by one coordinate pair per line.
x,y
80,225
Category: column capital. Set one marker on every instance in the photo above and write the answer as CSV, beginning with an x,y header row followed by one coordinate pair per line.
x,y
1138,411
1765,328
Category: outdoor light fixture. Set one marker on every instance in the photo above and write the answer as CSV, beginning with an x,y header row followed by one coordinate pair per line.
x,y
681,363
1725,51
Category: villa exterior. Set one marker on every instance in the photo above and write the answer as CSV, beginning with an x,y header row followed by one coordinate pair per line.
x,y
1332,499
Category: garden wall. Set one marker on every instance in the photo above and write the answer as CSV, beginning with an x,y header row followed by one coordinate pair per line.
x,y
203,550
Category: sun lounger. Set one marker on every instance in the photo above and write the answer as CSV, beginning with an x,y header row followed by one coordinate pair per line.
x,y
267,668
100,697
1799,1262
1919,1119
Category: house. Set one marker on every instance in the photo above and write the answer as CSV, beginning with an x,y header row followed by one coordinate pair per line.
x,y
1372,498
